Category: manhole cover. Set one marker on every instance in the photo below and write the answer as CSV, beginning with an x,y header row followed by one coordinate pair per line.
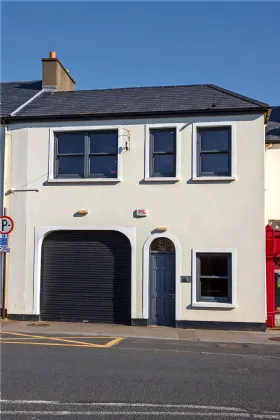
x,y
232,345
38,324
274,338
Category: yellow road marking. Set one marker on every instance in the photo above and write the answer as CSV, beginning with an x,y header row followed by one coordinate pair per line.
x,y
47,338
70,343
16,338
54,344
113,342
78,336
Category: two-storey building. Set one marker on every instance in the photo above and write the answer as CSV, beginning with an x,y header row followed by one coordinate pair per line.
x,y
137,205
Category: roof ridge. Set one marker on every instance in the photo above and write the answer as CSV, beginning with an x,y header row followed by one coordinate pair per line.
x,y
22,81
134,87
237,95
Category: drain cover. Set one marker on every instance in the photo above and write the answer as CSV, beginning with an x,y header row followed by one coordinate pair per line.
x,y
274,338
232,345
38,324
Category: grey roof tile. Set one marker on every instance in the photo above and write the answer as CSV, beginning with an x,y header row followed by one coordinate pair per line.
x,y
15,94
135,101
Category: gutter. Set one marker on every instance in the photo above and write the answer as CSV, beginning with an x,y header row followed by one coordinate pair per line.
x,y
258,110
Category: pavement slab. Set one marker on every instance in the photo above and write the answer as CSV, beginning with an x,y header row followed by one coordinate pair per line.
x,y
160,333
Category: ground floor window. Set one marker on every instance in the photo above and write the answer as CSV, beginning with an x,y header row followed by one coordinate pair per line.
x,y
277,291
213,277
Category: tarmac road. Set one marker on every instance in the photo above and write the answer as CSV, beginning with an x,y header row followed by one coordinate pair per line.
x,y
63,377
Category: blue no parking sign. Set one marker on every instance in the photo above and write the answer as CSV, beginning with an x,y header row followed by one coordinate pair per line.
x,y
4,243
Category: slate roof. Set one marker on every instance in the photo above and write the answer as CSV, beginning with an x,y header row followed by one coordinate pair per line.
x,y
273,127
137,101
15,94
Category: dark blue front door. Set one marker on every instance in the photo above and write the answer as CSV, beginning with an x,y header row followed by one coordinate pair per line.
x,y
162,289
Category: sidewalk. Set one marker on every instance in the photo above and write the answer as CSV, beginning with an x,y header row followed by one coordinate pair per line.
x,y
164,333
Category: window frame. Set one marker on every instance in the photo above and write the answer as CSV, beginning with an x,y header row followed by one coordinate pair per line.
x,y
52,170
196,151
66,155
153,153
211,303
149,153
276,274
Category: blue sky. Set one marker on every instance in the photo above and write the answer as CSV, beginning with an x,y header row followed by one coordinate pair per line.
x,y
111,44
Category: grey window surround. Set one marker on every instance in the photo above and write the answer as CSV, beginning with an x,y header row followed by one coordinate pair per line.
x,y
227,278
205,155
86,155
163,153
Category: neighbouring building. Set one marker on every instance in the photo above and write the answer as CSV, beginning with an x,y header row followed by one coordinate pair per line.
x,y
138,205
13,95
272,199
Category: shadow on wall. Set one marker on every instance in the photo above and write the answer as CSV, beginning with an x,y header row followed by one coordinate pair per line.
x,y
208,309
214,182
76,182
161,182
77,214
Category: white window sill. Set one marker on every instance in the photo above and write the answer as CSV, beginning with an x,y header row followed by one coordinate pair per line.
x,y
213,178
83,180
213,305
162,179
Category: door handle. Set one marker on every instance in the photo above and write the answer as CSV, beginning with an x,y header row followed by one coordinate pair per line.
x,y
172,295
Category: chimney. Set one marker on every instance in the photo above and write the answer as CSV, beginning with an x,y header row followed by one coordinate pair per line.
x,y
55,75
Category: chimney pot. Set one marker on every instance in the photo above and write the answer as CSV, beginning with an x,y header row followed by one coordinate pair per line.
x,y
52,54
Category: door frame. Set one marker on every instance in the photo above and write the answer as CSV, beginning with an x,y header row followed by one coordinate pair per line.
x,y
146,274
42,231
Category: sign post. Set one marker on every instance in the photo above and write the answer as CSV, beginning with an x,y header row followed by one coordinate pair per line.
x,y
6,227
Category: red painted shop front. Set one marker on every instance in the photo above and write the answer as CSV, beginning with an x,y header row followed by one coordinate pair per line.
x,y
272,275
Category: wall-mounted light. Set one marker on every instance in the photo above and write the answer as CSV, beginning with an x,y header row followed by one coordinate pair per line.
x,y
161,228
82,212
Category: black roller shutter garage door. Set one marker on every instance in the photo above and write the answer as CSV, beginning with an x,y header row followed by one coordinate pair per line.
x,y
86,276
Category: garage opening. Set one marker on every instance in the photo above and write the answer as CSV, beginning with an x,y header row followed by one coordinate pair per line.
x,y
86,277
